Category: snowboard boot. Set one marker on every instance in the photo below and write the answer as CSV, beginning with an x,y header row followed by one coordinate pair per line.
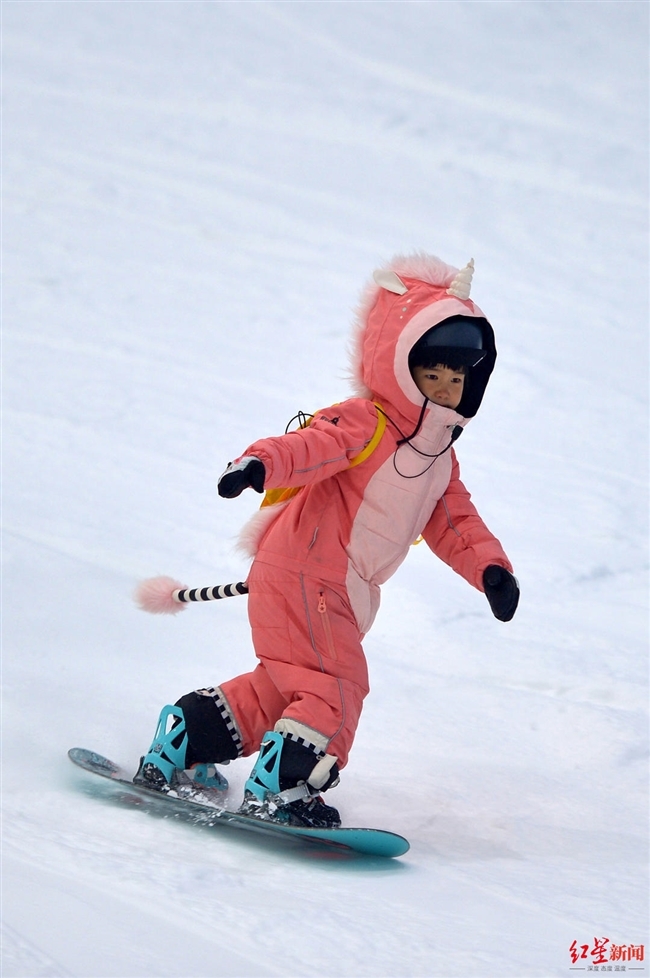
x,y
285,784
163,767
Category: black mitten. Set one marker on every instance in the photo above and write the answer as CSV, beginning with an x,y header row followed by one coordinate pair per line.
x,y
248,471
502,591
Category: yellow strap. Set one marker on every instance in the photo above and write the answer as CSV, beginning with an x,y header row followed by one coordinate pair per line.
x,y
374,441
273,496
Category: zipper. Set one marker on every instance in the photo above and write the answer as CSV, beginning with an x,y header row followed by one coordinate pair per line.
x,y
327,625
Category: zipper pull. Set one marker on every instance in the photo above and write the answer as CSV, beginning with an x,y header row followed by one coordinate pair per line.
x,y
322,607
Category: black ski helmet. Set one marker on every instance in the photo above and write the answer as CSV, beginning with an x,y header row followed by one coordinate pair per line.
x,y
456,342
460,342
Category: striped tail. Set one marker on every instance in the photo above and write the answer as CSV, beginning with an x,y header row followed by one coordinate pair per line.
x,y
165,596
184,595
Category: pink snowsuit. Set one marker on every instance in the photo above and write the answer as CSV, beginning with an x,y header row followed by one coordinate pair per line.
x,y
321,557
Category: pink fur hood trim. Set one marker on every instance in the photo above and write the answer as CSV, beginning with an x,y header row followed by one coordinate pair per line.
x,y
420,266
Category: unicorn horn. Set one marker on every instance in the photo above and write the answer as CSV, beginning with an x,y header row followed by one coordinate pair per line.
x,y
462,283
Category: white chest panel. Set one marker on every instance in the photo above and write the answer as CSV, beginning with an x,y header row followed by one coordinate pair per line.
x,y
397,504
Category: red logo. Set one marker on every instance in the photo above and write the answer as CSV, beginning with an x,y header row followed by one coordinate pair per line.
x,y
601,952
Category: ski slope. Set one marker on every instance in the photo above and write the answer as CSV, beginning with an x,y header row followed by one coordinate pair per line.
x,y
194,194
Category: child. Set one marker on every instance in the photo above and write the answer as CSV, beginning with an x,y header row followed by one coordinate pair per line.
x,y
377,471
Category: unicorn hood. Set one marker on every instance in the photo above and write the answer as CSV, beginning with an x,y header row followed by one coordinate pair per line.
x,y
407,297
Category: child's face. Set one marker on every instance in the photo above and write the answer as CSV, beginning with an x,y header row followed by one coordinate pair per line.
x,y
440,384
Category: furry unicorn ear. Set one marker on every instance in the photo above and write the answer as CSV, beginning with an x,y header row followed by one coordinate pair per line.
x,y
389,280
462,283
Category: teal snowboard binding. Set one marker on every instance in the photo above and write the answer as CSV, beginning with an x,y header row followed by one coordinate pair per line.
x,y
163,766
278,788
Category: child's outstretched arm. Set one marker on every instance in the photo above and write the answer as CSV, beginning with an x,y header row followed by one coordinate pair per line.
x,y
311,454
457,534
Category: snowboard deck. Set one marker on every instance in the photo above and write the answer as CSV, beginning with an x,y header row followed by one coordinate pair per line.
x,y
369,842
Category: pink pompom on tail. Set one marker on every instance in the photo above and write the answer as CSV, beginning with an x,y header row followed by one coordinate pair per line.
x,y
156,596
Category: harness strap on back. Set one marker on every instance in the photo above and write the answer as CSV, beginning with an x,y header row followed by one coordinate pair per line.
x,y
281,495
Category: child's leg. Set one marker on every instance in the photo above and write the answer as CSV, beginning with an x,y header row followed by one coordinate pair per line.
x,y
309,685
308,642
228,721
202,728
255,704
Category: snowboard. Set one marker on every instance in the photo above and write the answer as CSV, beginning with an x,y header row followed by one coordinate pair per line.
x,y
368,842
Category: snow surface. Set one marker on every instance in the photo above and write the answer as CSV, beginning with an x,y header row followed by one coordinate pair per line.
x,y
194,194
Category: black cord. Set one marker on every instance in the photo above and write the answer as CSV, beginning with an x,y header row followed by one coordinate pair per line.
x,y
406,440
433,458
303,420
